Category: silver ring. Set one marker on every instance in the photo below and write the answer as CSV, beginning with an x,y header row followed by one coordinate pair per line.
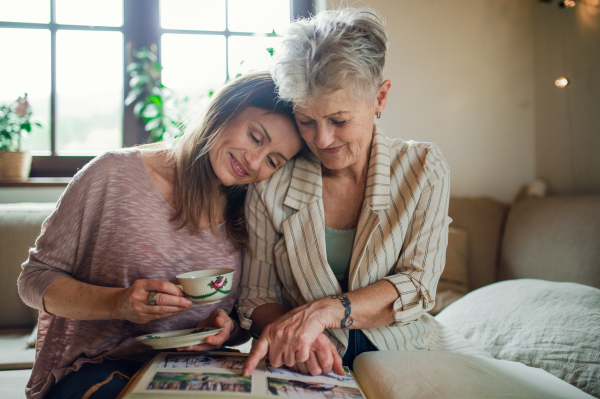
x,y
152,298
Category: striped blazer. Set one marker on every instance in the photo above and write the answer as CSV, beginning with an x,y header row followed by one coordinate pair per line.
x,y
401,236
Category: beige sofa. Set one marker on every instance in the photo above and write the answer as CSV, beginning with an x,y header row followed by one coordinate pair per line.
x,y
554,238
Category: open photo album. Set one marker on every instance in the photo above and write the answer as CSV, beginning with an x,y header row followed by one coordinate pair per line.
x,y
219,375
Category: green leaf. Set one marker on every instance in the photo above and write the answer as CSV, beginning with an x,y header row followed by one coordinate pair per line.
x,y
151,111
132,67
139,108
145,55
156,99
153,124
133,94
157,91
138,81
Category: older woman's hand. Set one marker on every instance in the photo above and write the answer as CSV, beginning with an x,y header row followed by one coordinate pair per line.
x,y
218,318
322,359
133,303
296,339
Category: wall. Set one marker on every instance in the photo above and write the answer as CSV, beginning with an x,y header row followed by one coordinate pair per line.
x,y
567,121
462,77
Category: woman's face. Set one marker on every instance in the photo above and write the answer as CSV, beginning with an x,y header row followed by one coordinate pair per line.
x,y
253,147
339,128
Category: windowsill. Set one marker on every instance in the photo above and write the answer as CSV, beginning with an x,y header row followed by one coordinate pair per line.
x,y
38,182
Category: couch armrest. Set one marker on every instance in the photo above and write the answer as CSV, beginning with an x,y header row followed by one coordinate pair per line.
x,y
19,226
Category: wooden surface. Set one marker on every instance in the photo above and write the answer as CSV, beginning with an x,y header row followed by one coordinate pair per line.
x,y
37,182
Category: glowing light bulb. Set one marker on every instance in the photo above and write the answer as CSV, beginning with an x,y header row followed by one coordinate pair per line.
x,y
561,82
569,3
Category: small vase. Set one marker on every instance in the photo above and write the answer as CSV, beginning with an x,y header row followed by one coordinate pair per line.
x,y
14,166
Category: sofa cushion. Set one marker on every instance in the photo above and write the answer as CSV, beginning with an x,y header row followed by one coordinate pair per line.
x,y
444,375
550,325
454,281
553,238
483,219
13,383
19,226
15,354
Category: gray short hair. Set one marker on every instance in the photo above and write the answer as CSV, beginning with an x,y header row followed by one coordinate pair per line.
x,y
336,49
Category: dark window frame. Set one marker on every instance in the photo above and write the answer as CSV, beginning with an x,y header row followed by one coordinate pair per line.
x,y
141,27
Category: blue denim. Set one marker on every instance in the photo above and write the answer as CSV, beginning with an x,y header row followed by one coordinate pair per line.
x,y
75,384
357,344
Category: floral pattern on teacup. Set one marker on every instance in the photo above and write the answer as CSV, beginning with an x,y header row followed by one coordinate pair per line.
x,y
218,283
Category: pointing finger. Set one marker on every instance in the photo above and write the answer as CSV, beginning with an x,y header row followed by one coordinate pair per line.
x,y
258,352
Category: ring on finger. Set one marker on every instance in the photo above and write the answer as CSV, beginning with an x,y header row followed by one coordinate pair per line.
x,y
152,298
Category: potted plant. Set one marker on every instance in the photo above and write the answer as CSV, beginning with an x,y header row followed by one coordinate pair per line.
x,y
156,104
15,124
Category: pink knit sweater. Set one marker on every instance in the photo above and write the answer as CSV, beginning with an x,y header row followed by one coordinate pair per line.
x,y
110,228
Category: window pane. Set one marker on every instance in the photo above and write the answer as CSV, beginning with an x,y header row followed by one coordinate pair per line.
x,y
28,75
89,83
258,15
90,12
37,11
192,14
193,64
252,50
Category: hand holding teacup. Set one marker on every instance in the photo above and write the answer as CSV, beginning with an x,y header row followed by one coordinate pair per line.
x,y
217,319
147,300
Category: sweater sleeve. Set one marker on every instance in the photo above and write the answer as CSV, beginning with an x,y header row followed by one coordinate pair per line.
x,y
66,233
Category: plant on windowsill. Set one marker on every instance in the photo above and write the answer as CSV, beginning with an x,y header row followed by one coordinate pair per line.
x,y
156,104
15,124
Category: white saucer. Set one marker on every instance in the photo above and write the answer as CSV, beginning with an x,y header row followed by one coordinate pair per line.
x,y
177,338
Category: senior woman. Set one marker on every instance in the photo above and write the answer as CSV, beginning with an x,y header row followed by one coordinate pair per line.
x,y
348,242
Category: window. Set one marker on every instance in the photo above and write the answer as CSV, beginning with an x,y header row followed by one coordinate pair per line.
x,y
70,58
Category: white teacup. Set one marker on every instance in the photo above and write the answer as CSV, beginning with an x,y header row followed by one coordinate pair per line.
x,y
206,286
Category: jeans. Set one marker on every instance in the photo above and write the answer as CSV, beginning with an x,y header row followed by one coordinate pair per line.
x,y
107,378
357,344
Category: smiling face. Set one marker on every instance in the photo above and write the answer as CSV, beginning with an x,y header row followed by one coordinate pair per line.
x,y
254,145
339,128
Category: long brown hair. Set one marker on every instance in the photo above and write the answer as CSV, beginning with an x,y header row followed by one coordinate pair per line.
x,y
197,190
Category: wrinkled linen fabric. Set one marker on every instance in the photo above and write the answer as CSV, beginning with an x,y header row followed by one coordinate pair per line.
x,y
112,227
549,325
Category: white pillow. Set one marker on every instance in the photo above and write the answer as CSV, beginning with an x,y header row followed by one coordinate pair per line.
x,y
549,325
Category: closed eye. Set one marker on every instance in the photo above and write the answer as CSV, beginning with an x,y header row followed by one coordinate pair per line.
x,y
339,123
308,123
253,137
272,163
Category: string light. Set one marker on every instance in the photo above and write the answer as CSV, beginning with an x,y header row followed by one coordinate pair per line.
x,y
567,4
561,82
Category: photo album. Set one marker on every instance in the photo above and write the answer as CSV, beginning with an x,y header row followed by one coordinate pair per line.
x,y
219,375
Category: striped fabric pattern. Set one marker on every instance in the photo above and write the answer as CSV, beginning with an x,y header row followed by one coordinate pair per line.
x,y
401,236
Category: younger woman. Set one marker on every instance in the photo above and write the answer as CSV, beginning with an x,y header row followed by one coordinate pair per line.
x,y
103,269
